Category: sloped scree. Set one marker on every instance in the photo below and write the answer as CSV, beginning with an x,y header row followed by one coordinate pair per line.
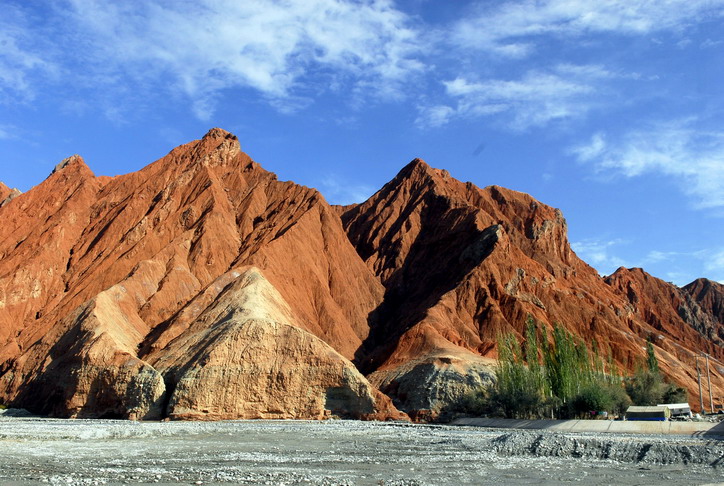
x,y
621,448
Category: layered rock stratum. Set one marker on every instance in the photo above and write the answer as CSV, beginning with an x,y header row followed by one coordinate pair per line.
x,y
201,287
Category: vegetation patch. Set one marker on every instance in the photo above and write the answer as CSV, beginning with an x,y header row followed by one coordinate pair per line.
x,y
561,377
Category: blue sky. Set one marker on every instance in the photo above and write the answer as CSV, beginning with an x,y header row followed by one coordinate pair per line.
x,y
612,111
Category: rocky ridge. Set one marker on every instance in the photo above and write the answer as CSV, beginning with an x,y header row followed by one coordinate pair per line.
x,y
103,273
170,292
7,194
461,264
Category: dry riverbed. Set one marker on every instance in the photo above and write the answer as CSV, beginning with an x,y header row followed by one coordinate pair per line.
x,y
49,451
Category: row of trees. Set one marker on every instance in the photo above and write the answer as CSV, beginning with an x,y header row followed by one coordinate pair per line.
x,y
562,377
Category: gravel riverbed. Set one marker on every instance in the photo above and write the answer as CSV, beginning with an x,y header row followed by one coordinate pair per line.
x,y
50,451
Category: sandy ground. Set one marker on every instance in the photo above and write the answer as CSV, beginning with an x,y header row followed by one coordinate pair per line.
x,y
49,451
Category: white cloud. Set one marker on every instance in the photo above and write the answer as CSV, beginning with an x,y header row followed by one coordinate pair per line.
x,y
656,256
680,267
598,253
709,43
271,46
510,29
714,262
20,58
7,132
693,157
435,116
338,191
539,97
685,266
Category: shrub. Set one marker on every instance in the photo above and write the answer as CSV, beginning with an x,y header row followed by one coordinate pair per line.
x,y
645,387
565,377
473,403
591,398
599,397
674,394
620,401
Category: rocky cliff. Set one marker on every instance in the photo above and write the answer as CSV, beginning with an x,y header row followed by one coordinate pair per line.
x,y
99,276
461,264
710,297
201,287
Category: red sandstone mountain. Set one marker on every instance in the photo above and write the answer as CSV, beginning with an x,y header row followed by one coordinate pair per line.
x,y
461,264
98,275
203,287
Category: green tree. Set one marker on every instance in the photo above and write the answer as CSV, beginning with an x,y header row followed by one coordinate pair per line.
x,y
651,361
518,390
562,376
645,387
674,394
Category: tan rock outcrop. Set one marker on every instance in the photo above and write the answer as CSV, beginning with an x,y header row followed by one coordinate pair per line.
x,y
4,191
244,357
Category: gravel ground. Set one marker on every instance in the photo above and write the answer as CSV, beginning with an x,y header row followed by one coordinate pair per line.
x,y
50,451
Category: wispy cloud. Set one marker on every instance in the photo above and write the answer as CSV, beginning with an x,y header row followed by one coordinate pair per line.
x,y
680,267
715,261
20,57
599,253
656,256
709,44
289,53
339,191
269,46
711,258
512,29
684,266
563,92
6,132
692,157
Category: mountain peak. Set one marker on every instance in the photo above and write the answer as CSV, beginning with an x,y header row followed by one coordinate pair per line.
x,y
219,133
73,160
419,169
703,282
7,194
415,285
710,296
417,163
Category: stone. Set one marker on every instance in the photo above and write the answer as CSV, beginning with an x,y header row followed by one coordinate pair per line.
x,y
244,357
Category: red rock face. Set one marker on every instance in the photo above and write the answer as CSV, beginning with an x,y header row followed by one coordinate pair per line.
x,y
461,264
201,287
99,274
710,296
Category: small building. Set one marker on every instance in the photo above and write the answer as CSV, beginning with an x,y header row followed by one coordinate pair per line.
x,y
648,413
678,409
